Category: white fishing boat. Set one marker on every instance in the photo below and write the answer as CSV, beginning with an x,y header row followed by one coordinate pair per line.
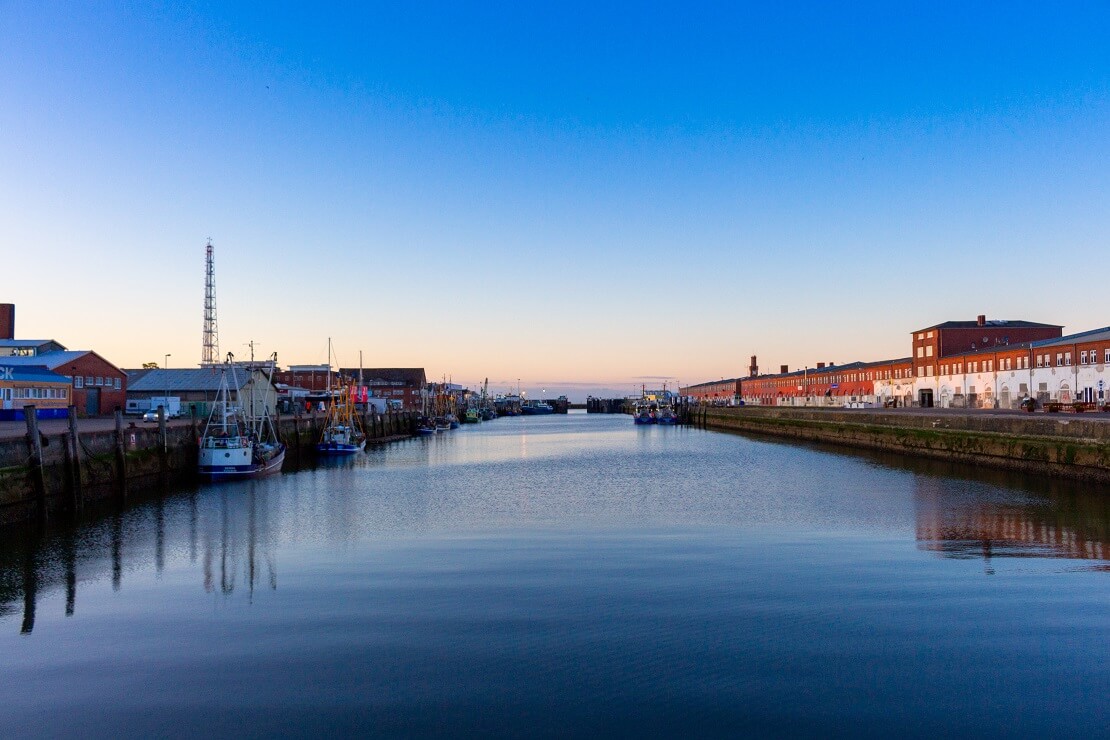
x,y
238,443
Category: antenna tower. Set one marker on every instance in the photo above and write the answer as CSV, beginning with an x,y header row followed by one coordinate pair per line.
x,y
210,350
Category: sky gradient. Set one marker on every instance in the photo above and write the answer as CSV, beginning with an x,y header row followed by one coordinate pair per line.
x,y
581,197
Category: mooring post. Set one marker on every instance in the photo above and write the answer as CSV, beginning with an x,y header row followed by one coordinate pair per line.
x,y
121,455
75,461
34,445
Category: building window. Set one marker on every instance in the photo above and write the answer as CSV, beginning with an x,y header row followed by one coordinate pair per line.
x,y
116,384
1067,358
1106,357
929,351
78,382
88,380
1083,357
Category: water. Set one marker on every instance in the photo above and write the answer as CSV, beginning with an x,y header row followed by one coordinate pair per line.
x,y
570,575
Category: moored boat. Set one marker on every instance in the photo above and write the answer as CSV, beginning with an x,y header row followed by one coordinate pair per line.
x,y
536,408
234,445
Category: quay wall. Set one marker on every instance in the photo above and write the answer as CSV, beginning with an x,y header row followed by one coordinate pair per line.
x,y
1042,443
107,465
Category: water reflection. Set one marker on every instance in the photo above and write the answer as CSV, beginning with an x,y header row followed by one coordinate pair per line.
x,y
237,531
987,522
225,528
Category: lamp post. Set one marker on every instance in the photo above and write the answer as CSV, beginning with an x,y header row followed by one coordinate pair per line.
x,y
166,398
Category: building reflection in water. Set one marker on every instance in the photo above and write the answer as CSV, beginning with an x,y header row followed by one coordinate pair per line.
x,y
979,519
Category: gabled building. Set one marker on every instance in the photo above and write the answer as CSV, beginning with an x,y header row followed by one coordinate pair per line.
x,y
197,388
98,386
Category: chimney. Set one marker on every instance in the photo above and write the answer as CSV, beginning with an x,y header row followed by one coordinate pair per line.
x,y
7,321
753,369
820,366
981,320
783,369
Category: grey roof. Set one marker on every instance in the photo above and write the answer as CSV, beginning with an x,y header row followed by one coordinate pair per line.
x,y
992,323
1091,335
27,342
52,360
186,379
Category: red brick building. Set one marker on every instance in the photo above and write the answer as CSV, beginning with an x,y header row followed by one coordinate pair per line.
x,y
397,384
957,337
99,387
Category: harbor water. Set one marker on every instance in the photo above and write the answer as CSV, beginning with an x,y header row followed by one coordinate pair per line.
x,y
569,576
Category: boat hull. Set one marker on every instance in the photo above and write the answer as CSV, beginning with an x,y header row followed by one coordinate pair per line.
x,y
214,473
339,448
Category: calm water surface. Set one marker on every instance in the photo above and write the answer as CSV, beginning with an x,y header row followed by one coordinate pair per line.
x,y
570,575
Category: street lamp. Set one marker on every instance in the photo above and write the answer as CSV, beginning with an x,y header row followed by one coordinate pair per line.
x,y
166,398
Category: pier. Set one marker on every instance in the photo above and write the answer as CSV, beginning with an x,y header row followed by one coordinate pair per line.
x,y
1076,447
43,473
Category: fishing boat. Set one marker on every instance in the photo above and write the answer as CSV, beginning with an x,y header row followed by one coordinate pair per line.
x,y
343,433
471,416
238,443
643,414
536,408
666,415
425,426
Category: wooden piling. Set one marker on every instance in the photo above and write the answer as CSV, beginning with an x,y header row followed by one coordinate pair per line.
x,y
34,446
121,455
75,461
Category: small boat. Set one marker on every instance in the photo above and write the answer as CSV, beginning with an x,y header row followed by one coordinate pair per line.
x,y
666,415
425,426
536,408
235,445
452,421
471,416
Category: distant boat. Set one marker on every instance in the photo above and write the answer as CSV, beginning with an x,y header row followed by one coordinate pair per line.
x,y
472,416
536,408
425,426
644,414
234,445
666,415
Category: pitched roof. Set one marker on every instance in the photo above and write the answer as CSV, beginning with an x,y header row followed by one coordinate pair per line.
x,y
18,343
31,373
412,376
1091,335
186,379
991,323
52,360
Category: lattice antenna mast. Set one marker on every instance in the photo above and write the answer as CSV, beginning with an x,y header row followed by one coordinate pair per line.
x,y
210,351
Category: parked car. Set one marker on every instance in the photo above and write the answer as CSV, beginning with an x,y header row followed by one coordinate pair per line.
x,y
152,415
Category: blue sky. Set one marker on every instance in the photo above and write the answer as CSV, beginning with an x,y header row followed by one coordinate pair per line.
x,y
566,194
